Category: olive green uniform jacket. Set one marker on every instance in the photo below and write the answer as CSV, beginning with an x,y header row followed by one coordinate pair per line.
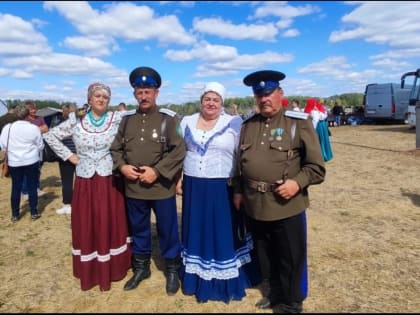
x,y
141,146
268,153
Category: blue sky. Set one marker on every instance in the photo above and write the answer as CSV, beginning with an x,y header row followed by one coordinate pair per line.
x,y
53,50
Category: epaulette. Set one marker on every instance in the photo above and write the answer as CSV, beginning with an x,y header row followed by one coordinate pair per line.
x,y
129,112
167,111
249,117
296,114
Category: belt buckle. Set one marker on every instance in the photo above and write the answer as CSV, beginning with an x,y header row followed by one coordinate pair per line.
x,y
261,187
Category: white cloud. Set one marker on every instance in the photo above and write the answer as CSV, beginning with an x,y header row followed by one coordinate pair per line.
x,y
18,37
393,23
124,20
65,64
226,29
291,33
93,46
242,62
283,10
203,51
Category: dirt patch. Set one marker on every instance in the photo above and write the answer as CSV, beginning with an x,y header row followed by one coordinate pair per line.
x,y
363,241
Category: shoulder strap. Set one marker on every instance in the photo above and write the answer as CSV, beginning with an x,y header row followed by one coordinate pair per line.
x,y
7,145
290,151
124,122
163,135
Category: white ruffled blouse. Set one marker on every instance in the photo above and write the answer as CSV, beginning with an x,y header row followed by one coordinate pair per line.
x,y
211,154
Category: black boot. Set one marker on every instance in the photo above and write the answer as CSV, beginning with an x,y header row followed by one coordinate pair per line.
x,y
141,268
172,277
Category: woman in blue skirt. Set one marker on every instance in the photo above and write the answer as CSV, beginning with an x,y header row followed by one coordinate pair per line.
x,y
318,114
216,253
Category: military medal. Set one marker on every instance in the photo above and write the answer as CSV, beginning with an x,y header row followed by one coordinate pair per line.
x,y
279,132
154,134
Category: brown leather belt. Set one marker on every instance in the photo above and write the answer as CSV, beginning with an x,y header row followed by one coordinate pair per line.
x,y
260,186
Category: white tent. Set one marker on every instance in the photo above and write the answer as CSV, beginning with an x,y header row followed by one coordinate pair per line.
x,y
3,108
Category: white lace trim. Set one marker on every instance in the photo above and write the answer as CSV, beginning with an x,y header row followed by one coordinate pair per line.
x,y
100,258
222,270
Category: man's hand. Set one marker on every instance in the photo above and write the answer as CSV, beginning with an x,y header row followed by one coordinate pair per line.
x,y
147,174
287,189
130,172
237,200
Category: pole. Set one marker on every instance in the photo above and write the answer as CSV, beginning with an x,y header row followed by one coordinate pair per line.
x,y
418,125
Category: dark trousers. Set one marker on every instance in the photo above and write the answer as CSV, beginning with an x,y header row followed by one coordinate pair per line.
x,y
17,174
67,175
38,180
282,254
165,211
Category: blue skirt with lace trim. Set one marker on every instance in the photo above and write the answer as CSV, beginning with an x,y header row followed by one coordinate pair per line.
x,y
216,257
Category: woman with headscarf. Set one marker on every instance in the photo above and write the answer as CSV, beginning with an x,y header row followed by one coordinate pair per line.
x,y
216,261
100,246
318,114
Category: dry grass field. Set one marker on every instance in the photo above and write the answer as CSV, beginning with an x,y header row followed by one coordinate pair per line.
x,y
363,241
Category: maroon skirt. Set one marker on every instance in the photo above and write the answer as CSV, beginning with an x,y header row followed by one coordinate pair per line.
x,y
101,249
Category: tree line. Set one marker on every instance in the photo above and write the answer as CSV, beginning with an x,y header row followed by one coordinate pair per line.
x,y
244,104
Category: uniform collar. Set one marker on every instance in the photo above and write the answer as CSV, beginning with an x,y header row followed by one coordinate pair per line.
x,y
152,110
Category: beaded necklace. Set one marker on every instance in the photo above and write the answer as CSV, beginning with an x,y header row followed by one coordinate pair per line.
x,y
89,130
97,122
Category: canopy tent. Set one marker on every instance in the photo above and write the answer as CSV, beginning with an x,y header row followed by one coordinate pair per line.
x,y
3,108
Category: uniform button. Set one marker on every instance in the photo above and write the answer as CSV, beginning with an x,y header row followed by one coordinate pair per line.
x,y
144,114
142,130
141,139
143,121
267,125
262,142
264,134
280,148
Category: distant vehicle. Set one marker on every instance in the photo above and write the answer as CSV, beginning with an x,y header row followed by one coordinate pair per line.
x,y
386,101
411,116
414,96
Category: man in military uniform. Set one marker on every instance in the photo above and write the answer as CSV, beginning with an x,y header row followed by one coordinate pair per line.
x,y
279,156
149,152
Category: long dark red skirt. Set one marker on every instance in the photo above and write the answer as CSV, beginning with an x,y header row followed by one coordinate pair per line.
x,y
101,249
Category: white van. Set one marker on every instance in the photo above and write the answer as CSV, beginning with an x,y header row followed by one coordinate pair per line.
x,y
386,101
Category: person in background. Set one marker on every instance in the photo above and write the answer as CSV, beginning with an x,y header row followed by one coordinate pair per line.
x,y
66,167
215,260
338,112
254,110
319,115
316,111
295,105
86,107
23,142
234,110
122,107
278,158
9,117
43,127
148,152
100,242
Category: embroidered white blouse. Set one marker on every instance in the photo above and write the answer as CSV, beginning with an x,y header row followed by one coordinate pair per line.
x,y
211,154
92,143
